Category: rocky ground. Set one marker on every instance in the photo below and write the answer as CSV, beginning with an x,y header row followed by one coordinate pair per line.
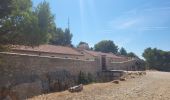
x,y
153,86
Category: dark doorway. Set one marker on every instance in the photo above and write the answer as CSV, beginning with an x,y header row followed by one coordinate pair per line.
x,y
103,60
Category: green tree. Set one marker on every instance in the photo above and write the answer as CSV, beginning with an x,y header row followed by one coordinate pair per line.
x,y
11,23
81,42
61,37
106,46
57,37
45,22
67,37
25,26
5,8
132,55
122,51
83,45
157,59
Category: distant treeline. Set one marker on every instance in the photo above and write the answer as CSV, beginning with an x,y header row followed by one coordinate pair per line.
x,y
157,59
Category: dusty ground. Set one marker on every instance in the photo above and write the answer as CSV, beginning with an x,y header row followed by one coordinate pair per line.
x,y
153,86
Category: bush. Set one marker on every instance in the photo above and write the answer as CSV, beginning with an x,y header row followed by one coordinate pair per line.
x,y
84,78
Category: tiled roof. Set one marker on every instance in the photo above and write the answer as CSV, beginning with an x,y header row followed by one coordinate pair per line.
x,y
95,53
49,49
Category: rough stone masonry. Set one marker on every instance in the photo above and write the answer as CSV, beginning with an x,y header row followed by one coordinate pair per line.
x,y
23,76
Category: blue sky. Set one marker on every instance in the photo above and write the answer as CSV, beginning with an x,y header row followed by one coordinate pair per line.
x,y
132,24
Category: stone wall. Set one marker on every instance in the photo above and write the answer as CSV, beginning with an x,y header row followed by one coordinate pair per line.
x,y
42,73
126,65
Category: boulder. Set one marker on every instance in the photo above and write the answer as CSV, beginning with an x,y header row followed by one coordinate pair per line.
x,y
77,88
122,79
140,73
115,81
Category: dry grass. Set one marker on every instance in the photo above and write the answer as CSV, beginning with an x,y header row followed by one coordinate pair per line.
x,y
153,86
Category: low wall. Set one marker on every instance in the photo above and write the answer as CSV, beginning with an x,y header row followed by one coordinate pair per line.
x,y
18,69
110,75
126,65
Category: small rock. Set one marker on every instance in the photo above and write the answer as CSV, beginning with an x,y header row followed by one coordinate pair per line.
x,y
76,88
115,81
122,79
132,76
144,73
140,73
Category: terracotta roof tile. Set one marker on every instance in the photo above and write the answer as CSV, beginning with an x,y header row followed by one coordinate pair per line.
x,y
49,49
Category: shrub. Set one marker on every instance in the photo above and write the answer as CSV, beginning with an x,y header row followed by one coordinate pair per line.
x,y
84,78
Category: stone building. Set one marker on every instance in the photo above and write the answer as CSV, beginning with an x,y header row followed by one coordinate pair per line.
x,y
30,71
106,60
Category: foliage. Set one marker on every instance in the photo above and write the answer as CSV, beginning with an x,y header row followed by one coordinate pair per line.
x,y
122,51
132,55
90,78
157,59
84,78
83,45
45,21
25,26
81,42
67,37
140,64
61,37
106,46
5,8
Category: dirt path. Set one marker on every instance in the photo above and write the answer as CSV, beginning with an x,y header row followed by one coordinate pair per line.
x,y
153,86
